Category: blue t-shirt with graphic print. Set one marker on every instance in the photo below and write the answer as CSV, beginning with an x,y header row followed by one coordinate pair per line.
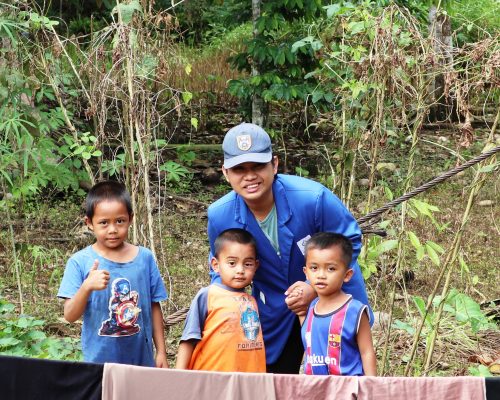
x,y
117,322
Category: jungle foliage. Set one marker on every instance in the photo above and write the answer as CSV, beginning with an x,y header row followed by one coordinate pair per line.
x,y
136,90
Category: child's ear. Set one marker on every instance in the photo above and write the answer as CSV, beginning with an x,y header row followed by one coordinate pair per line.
x,y
215,264
88,222
131,217
348,275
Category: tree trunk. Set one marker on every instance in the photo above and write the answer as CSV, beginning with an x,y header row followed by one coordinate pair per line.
x,y
258,105
440,31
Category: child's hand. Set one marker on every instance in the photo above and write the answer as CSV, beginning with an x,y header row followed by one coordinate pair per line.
x,y
299,296
97,279
161,360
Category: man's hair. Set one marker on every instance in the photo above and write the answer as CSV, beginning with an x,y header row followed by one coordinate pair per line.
x,y
107,190
237,235
325,240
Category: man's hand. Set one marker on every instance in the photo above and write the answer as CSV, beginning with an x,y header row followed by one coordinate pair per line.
x,y
299,296
97,279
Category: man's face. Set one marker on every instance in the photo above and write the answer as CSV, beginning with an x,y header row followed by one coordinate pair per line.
x,y
253,181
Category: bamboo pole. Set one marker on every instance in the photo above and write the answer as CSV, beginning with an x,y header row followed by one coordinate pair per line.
x,y
14,253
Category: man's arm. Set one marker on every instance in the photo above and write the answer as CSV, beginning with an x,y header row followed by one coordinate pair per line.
x,y
184,354
96,280
159,336
365,345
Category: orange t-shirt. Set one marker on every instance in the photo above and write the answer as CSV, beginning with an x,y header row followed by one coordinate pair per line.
x,y
231,337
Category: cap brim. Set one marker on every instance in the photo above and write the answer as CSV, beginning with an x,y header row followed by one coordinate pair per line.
x,y
249,157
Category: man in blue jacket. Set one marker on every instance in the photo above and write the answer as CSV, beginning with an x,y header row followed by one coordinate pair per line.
x,y
281,212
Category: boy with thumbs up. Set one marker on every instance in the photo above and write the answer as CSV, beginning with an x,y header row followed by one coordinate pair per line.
x,y
116,286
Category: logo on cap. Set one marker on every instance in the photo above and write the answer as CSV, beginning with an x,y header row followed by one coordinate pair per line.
x,y
244,142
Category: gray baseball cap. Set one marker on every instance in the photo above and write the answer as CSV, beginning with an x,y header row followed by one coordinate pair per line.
x,y
246,143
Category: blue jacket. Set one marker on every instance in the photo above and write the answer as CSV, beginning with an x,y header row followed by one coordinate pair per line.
x,y
303,207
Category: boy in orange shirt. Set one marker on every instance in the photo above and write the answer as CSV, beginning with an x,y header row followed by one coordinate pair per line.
x,y
222,330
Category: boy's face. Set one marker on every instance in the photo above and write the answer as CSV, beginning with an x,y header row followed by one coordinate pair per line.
x,y
236,264
326,270
110,224
252,181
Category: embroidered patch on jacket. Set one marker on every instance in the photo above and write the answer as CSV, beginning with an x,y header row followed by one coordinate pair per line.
x,y
244,142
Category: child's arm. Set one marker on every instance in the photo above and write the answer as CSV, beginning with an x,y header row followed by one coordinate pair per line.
x,y
96,280
365,345
159,336
184,354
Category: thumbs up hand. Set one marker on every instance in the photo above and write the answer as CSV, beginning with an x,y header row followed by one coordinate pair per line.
x,y
97,279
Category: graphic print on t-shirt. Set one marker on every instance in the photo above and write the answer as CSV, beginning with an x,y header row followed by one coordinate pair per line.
x,y
123,310
250,323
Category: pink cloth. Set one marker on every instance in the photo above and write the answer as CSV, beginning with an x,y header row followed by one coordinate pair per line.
x,y
290,387
449,388
123,382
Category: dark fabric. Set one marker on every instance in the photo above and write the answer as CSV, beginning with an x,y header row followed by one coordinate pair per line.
x,y
492,388
33,379
290,358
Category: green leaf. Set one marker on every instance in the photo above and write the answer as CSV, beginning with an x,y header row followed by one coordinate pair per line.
x,y
127,10
420,303
387,245
388,193
332,10
489,168
280,59
355,27
432,254
329,97
36,335
186,97
194,123
23,322
388,166
465,309
435,246
463,265
317,96
9,342
414,240
480,370
424,208
404,326
420,253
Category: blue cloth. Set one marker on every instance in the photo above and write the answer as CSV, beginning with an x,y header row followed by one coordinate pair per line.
x,y
117,322
349,359
304,207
